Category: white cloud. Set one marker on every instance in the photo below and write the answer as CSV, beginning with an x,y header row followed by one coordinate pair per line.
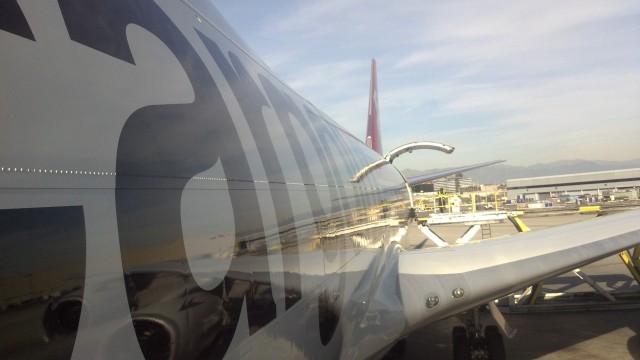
x,y
536,79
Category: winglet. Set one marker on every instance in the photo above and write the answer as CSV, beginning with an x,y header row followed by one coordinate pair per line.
x,y
373,139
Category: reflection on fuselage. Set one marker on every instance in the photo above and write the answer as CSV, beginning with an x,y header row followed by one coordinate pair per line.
x,y
172,315
282,235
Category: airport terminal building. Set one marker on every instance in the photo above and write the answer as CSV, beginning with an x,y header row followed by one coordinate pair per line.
x,y
450,184
594,184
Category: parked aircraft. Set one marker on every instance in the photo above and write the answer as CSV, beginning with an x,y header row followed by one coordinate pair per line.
x,y
164,196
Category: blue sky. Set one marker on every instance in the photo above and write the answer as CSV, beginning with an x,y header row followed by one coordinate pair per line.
x,y
526,81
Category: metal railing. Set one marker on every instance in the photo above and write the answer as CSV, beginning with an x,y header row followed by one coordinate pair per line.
x,y
462,203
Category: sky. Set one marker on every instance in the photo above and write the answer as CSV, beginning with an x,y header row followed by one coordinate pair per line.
x,y
525,81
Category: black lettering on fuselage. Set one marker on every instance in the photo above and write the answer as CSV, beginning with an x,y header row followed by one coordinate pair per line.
x,y
321,129
251,101
12,19
283,106
162,146
329,311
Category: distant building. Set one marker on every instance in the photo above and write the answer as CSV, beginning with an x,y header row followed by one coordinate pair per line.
x,y
450,184
425,187
594,183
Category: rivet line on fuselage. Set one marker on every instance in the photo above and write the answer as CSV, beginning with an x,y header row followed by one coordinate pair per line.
x,y
107,173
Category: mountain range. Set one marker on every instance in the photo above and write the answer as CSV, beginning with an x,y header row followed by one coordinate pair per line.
x,y
498,174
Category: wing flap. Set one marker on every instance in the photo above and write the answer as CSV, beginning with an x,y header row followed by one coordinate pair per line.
x,y
490,269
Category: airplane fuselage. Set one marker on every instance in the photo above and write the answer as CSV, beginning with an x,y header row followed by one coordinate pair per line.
x,y
163,195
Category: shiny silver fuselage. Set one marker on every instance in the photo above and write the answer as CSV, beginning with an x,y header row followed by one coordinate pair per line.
x,y
163,195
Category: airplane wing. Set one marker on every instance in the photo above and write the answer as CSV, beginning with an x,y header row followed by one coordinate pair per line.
x,y
446,172
489,269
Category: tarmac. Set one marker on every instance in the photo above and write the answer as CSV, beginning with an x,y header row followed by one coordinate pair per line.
x,y
583,331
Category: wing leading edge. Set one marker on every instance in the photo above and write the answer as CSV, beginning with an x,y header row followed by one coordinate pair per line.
x,y
489,269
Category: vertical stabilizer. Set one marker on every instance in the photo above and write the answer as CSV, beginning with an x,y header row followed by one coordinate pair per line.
x,y
373,123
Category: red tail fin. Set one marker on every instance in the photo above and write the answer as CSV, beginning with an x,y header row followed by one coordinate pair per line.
x,y
373,124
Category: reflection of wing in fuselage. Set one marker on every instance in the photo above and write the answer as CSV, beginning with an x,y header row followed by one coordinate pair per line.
x,y
164,195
